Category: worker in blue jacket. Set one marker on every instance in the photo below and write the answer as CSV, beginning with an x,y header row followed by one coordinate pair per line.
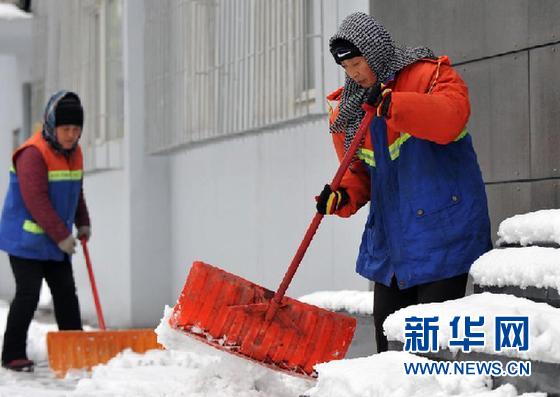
x,y
428,218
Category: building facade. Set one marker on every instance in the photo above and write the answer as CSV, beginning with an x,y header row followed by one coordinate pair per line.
x,y
205,138
206,134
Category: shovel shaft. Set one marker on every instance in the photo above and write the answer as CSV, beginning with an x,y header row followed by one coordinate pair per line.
x,y
100,318
316,221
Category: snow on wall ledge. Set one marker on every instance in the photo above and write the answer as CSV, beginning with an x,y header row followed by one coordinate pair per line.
x,y
544,323
521,267
534,227
10,12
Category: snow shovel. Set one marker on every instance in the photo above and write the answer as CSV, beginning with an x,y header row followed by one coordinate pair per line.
x,y
237,316
85,349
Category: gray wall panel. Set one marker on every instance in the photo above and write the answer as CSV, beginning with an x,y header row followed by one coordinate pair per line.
x,y
545,111
545,194
459,28
544,26
499,121
506,200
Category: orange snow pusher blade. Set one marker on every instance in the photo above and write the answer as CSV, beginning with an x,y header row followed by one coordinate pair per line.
x,y
235,315
85,349
229,313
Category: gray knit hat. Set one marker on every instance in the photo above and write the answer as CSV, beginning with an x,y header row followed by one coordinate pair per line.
x,y
384,58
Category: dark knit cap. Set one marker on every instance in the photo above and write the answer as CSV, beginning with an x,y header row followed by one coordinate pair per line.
x,y
342,49
69,111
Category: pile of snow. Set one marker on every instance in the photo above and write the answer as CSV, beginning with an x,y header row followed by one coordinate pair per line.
x,y
10,12
521,267
354,302
383,375
534,227
184,373
191,368
544,323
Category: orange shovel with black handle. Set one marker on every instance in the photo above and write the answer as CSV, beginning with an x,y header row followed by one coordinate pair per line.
x,y
243,318
85,349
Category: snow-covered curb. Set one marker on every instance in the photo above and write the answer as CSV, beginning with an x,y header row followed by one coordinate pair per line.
x,y
534,227
544,323
521,267
354,302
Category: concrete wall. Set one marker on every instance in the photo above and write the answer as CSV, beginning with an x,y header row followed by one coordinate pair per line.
x,y
129,210
15,70
10,119
509,55
147,213
107,205
243,204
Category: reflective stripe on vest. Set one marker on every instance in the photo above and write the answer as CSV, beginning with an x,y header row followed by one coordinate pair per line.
x,y
366,155
395,148
60,176
32,227
461,135
65,175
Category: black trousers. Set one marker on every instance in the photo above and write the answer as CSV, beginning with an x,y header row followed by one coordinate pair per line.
x,y
29,274
387,300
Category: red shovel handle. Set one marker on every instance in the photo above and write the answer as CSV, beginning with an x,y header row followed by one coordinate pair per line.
x,y
316,221
100,318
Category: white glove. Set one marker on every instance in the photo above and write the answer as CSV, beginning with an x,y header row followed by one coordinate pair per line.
x,y
68,245
84,231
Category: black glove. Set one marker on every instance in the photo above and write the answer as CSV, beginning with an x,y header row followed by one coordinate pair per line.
x,y
328,202
380,98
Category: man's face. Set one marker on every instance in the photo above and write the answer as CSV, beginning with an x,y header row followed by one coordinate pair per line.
x,y
67,135
358,70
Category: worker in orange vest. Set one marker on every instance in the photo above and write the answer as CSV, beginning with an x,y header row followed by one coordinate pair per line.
x,y
45,200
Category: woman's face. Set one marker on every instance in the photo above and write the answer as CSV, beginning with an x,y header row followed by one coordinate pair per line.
x,y
67,135
358,70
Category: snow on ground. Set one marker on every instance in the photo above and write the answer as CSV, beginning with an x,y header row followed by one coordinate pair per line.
x,y
37,335
544,323
382,375
190,368
521,267
539,226
354,302
10,11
